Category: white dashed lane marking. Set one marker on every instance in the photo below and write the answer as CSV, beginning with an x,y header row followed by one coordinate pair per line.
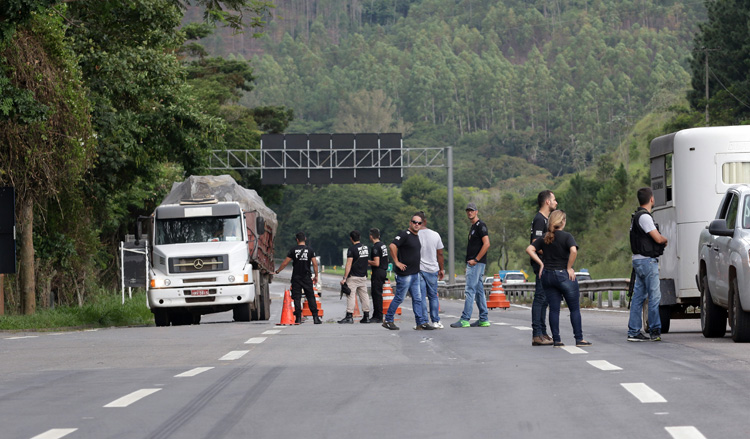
x,y
256,340
131,398
604,365
686,432
234,355
19,338
522,328
502,324
193,372
55,433
643,392
271,332
573,350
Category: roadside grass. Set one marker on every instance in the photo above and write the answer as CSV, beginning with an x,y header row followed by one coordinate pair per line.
x,y
101,311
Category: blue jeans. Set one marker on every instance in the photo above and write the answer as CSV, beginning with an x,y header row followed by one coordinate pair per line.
x,y
475,292
646,285
538,308
557,285
408,283
428,286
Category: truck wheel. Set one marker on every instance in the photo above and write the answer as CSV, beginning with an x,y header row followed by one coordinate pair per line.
x,y
241,312
262,305
665,314
713,317
161,317
739,318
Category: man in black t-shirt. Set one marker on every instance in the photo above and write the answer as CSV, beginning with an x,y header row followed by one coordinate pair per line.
x,y
476,261
301,255
355,277
406,252
547,203
379,266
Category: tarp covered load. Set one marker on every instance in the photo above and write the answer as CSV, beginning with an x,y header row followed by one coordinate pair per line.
x,y
223,188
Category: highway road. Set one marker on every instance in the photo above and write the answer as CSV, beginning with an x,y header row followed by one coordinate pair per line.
x,y
222,379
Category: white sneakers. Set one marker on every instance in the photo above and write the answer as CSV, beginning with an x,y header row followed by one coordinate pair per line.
x,y
437,325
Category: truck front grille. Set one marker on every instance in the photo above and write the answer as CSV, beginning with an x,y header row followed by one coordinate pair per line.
x,y
198,264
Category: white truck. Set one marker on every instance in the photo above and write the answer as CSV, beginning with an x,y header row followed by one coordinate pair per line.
x,y
691,171
724,267
210,250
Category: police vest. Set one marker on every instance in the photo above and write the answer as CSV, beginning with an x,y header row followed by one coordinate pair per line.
x,y
641,243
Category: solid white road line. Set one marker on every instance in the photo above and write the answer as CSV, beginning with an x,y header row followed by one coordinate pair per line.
x,y
686,432
193,372
256,340
604,365
271,331
234,355
573,350
55,433
20,337
131,398
522,328
643,392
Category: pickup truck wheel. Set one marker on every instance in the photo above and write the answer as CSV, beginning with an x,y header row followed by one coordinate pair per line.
x,y
713,317
161,317
739,318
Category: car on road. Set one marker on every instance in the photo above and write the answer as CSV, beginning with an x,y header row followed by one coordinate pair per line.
x,y
583,275
724,267
514,277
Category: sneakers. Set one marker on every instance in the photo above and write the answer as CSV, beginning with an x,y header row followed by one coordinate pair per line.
x,y
639,337
460,324
540,341
437,325
424,327
558,344
390,325
480,324
583,343
656,337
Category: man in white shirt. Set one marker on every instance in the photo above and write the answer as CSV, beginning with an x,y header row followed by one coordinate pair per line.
x,y
430,270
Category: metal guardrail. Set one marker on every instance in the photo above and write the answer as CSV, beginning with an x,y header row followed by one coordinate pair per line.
x,y
596,290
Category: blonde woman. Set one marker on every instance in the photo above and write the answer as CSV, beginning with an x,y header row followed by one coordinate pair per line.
x,y
559,251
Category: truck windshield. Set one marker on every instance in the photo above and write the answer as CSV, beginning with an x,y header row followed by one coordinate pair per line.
x,y
200,229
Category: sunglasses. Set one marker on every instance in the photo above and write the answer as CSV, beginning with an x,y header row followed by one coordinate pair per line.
x,y
419,223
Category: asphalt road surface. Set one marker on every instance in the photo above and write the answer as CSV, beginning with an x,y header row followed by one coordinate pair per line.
x,y
222,379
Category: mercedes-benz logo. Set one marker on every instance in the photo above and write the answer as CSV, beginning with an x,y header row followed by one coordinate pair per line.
x,y
198,264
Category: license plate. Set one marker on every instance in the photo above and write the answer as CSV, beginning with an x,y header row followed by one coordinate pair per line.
x,y
199,292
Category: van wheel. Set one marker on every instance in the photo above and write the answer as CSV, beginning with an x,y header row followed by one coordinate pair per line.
x,y
739,318
713,317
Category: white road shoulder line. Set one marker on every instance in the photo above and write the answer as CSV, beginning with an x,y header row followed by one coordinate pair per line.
x,y
256,340
131,398
522,328
193,372
643,392
604,365
234,355
55,433
686,432
573,350
271,331
21,337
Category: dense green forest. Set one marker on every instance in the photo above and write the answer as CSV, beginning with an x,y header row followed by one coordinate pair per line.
x,y
105,103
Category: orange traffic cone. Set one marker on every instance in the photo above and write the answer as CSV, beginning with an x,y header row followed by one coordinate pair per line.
x,y
497,297
356,306
388,297
287,311
306,308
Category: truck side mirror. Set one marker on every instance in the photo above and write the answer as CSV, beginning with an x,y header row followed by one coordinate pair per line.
x,y
260,225
719,228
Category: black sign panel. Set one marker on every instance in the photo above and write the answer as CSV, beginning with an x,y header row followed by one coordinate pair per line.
x,y
134,264
341,158
7,230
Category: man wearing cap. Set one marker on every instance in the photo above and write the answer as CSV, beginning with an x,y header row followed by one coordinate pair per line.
x,y
476,261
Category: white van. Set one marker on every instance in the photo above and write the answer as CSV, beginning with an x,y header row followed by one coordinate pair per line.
x,y
690,172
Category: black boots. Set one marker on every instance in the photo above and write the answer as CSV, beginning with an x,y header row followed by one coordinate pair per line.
x,y
316,319
365,318
347,319
298,318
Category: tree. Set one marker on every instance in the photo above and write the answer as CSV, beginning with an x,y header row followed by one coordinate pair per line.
x,y
368,112
46,130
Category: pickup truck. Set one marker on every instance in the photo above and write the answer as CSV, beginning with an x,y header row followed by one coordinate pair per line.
x,y
724,268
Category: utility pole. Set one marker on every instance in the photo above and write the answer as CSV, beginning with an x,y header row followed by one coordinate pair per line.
x,y
706,58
